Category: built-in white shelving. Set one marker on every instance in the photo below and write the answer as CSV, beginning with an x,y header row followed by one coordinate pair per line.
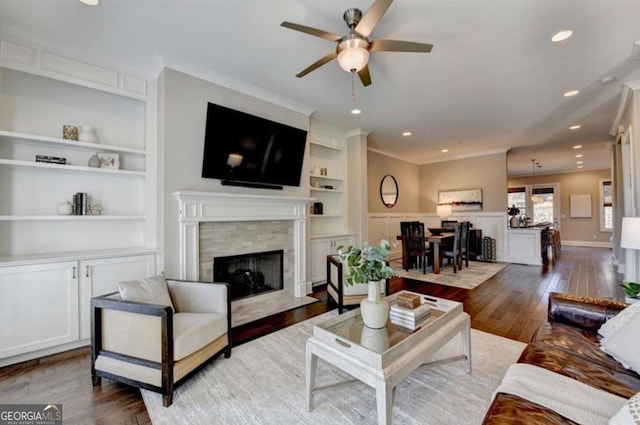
x,y
65,167
13,136
70,217
320,189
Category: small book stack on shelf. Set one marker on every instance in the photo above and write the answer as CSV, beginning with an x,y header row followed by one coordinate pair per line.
x,y
408,313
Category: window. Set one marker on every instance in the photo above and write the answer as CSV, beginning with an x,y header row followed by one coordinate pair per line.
x,y
606,206
518,196
543,205
537,203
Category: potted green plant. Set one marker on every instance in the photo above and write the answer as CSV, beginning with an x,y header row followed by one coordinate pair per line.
x,y
368,265
631,291
513,213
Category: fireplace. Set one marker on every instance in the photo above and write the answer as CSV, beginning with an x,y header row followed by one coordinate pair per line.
x,y
250,274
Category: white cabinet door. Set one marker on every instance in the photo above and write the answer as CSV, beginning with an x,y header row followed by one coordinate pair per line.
x,y
319,251
38,307
99,277
343,241
320,248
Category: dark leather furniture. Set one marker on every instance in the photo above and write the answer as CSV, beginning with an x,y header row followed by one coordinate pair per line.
x,y
568,345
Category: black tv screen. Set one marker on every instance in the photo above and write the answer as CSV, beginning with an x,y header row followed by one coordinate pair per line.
x,y
243,149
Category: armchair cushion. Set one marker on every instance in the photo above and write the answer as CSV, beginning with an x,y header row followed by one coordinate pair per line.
x,y
150,290
192,331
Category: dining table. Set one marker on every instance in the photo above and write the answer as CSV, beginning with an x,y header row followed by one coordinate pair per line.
x,y
434,241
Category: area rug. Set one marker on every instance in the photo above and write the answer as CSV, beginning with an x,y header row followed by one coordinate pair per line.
x,y
467,278
263,383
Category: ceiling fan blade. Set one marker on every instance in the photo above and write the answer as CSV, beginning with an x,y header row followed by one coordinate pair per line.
x,y
399,46
372,17
311,31
364,75
317,64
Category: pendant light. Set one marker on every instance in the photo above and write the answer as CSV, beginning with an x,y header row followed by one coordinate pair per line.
x,y
535,197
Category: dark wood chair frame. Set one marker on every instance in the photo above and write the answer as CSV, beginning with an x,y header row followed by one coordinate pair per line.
x,y
167,363
339,285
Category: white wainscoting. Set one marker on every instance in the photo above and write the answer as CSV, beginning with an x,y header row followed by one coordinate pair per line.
x,y
387,226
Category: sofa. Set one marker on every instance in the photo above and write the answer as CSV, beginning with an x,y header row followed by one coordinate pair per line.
x,y
569,345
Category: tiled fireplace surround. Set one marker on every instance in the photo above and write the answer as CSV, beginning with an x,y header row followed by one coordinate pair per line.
x,y
219,224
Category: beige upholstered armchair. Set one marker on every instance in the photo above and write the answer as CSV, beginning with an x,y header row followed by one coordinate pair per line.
x,y
339,291
151,346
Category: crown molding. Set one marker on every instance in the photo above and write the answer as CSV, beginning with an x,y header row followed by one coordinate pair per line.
x,y
390,155
470,155
233,84
358,132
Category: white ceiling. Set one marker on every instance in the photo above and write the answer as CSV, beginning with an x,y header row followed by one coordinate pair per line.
x,y
493,81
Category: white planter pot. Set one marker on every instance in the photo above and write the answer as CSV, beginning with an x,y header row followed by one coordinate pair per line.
x,y
631,300
374,309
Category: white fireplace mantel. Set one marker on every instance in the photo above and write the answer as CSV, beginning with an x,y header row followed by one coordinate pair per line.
x,y
207,207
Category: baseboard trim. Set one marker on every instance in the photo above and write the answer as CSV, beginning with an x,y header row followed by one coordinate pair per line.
x,y
588,244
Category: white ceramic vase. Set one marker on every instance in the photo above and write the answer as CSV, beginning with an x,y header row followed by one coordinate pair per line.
x,y
87,134
374,309
514,221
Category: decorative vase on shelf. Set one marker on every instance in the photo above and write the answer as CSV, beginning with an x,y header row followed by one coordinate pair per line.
x,y
87,134
374,309
94,161
514,221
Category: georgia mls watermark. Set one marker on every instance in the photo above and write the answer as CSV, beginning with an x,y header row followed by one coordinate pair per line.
x,y
30,414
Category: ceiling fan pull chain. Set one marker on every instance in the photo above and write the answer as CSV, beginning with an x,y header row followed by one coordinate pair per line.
x,y
353,89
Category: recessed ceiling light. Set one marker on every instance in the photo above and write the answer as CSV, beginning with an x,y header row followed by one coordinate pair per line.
x,y
580,166
577,147
90,2
406,133
579,162
561,36
356,111
571,93
608,79
574,127
579,155
444,150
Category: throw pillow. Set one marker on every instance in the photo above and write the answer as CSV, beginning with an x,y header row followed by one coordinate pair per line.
x,y
629,413
610,327
623,344
150,290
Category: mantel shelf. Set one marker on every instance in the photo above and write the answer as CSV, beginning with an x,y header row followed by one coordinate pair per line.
x,y
64,167
325,215
70,217
72,144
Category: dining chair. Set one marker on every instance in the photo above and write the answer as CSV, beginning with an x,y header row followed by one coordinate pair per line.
x,y
452,252
464,243
417,247
448,224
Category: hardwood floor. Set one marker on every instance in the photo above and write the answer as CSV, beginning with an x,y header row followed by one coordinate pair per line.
x,y
512,304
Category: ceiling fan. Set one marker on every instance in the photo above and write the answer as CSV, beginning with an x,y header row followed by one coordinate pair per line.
x,y
352,50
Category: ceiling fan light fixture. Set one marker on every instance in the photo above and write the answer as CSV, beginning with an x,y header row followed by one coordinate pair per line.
x,y
353,54
356,111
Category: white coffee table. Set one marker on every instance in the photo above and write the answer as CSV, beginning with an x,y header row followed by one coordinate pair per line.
x,y
382,358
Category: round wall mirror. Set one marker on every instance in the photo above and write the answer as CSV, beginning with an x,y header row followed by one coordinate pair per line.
x,y
389,191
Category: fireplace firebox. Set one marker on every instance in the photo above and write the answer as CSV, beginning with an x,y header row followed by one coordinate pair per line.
x,y
250,274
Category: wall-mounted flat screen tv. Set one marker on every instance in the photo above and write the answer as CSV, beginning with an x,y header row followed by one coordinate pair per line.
x,y
245,150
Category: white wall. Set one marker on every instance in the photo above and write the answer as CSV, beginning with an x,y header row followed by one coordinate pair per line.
x,y
183,112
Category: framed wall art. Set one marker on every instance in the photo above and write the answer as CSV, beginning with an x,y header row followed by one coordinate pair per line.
x,y
461,199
